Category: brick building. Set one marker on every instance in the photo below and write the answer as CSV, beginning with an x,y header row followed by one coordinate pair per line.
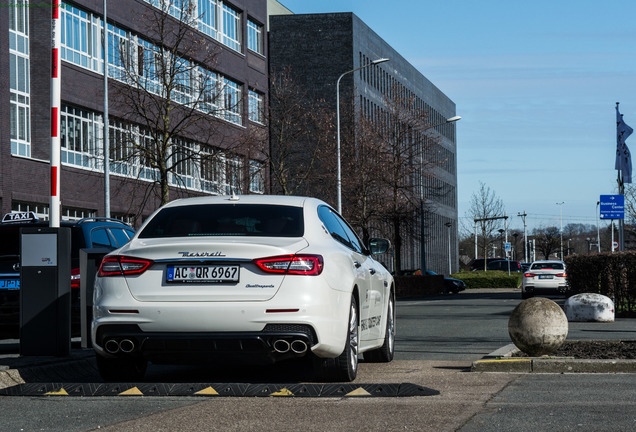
x,y
234,29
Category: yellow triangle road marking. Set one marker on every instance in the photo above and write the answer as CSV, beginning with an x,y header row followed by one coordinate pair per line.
x,y
359,392
282,392
208,391
132,392
60,392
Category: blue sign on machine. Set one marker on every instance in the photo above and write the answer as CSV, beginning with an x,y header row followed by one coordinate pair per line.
x,y
612,207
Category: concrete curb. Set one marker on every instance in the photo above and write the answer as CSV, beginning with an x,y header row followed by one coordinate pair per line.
x,y
502,360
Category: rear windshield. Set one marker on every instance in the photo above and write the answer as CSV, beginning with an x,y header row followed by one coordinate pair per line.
x,y
226,220
547,266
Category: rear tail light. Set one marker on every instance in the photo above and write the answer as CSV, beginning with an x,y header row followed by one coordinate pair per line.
x,y
75,278
309,265
123,266
529,275
561,274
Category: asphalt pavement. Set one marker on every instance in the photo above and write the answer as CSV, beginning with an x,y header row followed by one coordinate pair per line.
x,y
451,392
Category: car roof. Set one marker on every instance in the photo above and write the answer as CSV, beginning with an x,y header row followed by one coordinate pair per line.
x,y
548,261
297,201
306,203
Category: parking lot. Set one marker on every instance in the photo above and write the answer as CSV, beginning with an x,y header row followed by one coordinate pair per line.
x,y
438,339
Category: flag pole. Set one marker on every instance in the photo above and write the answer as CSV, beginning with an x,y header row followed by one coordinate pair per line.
x,y
621,191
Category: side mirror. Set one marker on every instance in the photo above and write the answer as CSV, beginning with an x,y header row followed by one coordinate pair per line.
x,y
379,245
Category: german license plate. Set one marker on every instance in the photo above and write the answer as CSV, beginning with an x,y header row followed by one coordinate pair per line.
x,y
545,276
203,274
10,284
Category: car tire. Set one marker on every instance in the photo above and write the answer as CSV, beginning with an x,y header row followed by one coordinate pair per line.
x,y
525,295
121,369
385,353
344,367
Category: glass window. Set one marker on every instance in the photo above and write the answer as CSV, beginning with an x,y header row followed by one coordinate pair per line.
x,y
19,78
122,141
257,177
147,161
208,89
122,236
183,81
226,220
339,229
256,106
81,38
213,173
231,31
208,17
232,97
100,238
80,137
181,9
183,162
149,66
328,217
213,17
234,174
119,53
254,37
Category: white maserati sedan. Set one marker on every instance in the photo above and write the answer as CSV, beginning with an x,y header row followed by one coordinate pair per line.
x,y
250,278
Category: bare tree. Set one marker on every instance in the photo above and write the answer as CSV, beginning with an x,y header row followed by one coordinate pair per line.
x,y
172,100
301,139
487,210
386,169
630,208
547,240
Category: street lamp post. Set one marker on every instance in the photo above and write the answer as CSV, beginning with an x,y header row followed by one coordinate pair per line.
x,y
525,235
339,183
106,126
560,204
598,232
450,262
422,224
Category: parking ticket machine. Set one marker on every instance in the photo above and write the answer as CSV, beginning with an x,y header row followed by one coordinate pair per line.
x,y
45,291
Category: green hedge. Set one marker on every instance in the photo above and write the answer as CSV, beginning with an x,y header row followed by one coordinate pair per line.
x,y
489,279
610,274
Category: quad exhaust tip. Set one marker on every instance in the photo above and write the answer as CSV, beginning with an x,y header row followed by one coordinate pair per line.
x,y
113,346
283,346
299,346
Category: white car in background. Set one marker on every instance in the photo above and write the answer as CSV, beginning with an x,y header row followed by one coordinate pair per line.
x,y
547,277
252,278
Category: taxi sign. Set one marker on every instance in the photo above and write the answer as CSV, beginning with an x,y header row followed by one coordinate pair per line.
x,y
20,217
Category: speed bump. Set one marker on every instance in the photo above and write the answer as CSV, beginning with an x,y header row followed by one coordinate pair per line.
x,y
217,390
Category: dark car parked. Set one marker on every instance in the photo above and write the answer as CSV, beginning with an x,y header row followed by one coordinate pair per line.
x,y
85,233
478,263
451,285
504,265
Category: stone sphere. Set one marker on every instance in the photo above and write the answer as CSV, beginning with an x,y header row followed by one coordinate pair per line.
x,y
538,326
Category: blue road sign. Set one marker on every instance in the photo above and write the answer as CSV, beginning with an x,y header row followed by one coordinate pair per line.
x,y
612,207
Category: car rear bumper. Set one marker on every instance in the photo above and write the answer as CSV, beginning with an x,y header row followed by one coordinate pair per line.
x,y
274,343
322,309
546,289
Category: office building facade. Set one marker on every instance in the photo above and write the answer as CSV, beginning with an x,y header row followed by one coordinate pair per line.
x,y
233,30
318,48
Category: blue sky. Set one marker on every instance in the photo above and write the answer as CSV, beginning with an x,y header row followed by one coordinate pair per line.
x,y
536,84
